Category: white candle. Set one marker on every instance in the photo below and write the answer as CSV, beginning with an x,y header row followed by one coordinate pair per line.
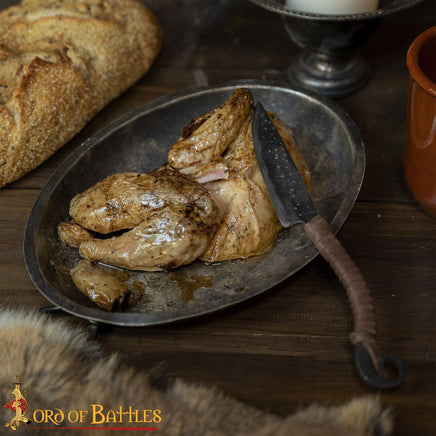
x,y
333,7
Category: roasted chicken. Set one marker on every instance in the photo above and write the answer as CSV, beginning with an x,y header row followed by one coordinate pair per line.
x,y
209,202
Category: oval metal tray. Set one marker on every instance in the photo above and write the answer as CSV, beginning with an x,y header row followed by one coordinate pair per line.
x,y
139,141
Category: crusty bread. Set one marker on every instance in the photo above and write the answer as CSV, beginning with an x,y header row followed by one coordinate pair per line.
x,y
61,61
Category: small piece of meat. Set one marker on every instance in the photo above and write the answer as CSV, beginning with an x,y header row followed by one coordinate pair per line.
x,y
206,138
100,286
72,234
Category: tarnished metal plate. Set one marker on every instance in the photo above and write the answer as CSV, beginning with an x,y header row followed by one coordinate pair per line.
x,y
139,141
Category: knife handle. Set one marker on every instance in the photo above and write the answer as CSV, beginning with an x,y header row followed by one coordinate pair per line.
x,y
365,325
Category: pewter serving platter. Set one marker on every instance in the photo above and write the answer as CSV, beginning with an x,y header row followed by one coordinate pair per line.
x,y
139,141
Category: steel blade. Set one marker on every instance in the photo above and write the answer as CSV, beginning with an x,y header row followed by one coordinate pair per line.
x,y
285,185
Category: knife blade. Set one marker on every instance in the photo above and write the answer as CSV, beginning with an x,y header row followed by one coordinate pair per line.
x,y
293,204
286,187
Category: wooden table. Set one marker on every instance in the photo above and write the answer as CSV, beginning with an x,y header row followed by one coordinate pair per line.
x,y
288,347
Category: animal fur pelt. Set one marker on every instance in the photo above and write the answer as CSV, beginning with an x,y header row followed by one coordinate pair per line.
x,y
62,369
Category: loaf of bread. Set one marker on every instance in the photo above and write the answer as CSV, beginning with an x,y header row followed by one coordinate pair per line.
x,y
61,61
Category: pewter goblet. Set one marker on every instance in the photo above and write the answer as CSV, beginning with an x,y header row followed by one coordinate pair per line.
x,y
329,63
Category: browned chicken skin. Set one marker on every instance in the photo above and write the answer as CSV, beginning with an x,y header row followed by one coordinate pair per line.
x,y
250,225
124,200
171,220
207,137
233,178
72,234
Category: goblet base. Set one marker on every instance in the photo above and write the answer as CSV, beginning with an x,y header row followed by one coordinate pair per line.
x,y
332,75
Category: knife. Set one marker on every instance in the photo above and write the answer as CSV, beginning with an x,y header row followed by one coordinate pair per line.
x,y
293,205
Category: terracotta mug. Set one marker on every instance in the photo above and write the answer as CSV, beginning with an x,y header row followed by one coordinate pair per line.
x,y
420,151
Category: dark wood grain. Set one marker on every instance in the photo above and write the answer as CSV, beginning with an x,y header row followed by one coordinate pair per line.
x,y
288,347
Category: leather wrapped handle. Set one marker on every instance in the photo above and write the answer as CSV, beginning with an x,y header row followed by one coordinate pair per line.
x,y
365,324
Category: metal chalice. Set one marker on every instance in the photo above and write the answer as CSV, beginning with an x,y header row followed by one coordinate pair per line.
x,y
329,63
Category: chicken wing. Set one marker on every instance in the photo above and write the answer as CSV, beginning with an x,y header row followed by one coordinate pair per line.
x,y
207,137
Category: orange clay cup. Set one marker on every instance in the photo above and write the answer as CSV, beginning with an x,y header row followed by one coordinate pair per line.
x,y
420,151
